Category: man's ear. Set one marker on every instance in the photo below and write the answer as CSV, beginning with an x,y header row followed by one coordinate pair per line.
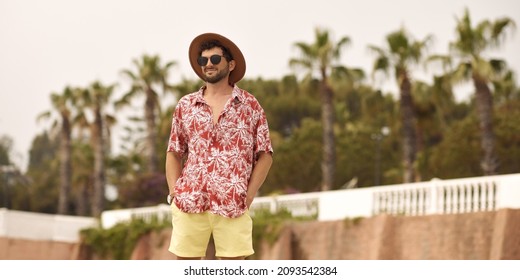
x,y
232,65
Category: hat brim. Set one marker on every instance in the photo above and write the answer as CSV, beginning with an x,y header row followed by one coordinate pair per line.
x,y
240,63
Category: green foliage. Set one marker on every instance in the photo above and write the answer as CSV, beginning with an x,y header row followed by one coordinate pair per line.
x,y
357,156
43,171
267,226
448,131
458,155
299,155
145,190
286,102
5,148
118,242
507,129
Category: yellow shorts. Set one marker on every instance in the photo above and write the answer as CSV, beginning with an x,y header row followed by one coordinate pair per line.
x,y
233,237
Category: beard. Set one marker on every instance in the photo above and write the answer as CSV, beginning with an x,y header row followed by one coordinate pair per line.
x,y
218,76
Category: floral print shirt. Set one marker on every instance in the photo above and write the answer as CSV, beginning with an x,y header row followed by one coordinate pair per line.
x,y
219,157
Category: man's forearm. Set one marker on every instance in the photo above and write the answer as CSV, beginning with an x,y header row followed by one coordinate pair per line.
x,y
258,176
173,170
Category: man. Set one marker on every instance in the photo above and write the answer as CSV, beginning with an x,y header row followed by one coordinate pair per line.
x,y
219,154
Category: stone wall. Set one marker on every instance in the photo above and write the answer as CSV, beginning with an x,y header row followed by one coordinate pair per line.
x,y
471,236
20,249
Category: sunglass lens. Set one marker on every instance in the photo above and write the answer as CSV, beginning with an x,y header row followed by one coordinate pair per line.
x,y
215,59
202,61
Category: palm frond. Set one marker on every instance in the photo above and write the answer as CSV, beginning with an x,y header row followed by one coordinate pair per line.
x,y
498,30
461,73
444,60
499,66
300,63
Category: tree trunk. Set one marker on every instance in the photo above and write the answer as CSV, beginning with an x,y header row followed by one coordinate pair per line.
x,y
484,102
98,204
328,164
409,133
65,167
82,199
151,138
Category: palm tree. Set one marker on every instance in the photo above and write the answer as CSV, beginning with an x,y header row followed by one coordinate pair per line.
x,y
95,98
319,58
149,75
506,89
83,159
468,50
62,105
399,55
444,100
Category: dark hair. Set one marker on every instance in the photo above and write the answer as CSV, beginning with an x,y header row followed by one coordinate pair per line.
x,y
208,45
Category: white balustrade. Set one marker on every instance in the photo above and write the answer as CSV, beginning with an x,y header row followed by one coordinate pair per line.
x,y
39,226
112,217
425,198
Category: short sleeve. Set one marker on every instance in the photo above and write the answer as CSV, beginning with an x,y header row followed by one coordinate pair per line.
x,y
177,141
263,139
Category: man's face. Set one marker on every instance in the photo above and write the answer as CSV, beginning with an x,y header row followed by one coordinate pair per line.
x,y
214,73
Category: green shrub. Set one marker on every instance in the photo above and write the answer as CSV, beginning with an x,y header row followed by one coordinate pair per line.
x,y
267,226
118,242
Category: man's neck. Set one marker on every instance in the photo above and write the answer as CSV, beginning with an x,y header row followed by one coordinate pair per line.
x,y
220,88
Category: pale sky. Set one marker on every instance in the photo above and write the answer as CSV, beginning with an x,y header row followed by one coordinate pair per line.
x,y
46,45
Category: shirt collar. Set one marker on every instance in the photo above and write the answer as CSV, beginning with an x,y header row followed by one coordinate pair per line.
x,y
237,94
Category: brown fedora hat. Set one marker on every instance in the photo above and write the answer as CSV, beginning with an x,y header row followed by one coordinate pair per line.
x,y
240,63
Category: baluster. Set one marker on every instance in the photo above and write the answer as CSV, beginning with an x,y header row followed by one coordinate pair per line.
x,y
486,197
420,208
468,198
382,203
388,210
456,199
425,200
410,194
408,202
393,203
431,199
421,201
387,202
479,197
493,198
402,202
377,203
464,199
405,203
413,202
449,200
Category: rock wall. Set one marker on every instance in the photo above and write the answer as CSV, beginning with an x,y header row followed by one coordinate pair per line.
x,y
20,249
471,236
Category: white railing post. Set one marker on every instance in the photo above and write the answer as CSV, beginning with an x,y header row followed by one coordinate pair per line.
x,y
508,192
274,205
432,199
3,221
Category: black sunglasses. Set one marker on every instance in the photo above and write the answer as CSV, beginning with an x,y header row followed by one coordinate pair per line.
x,y
215,59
